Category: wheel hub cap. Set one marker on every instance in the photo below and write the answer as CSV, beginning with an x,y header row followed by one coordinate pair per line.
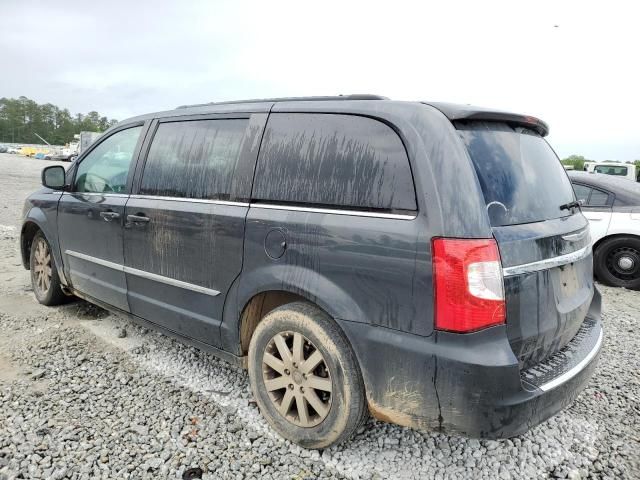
x,y
625,263
297,379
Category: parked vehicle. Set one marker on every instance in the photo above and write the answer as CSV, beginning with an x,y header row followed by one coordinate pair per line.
x,y
13,150
355,254
63,156
612,206
623,170
3,149
27,151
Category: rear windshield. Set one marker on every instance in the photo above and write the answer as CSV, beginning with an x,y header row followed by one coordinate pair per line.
x,y
521,177
611,170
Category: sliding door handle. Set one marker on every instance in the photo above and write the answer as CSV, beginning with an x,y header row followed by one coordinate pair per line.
x,y
138,219
109,215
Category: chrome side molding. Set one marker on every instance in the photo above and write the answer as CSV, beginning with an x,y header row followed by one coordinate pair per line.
x,y
335,211
141,273
98,261
191,200
547,263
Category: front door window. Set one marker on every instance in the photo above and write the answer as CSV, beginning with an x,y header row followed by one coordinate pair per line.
x,y
106,168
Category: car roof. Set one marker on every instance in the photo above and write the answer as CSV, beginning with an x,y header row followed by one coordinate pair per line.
x,y
625,190
452,111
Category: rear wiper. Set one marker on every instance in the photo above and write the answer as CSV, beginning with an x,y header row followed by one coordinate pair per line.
x,y
571,205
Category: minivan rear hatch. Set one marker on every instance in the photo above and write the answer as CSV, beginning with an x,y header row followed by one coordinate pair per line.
x,y
542,237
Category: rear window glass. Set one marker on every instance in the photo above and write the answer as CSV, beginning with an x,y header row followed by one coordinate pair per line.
x,y
608,170
334,160
521,177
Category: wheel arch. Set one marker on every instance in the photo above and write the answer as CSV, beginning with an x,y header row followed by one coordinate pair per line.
x,y
260,304
39,220
612,236
255,293
27,234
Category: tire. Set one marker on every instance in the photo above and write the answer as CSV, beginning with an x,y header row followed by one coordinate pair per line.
x,y
340,411
617,262
44,274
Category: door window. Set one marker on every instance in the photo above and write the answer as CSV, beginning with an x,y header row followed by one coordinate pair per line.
x,y
106,167
194,159
582,192
327,159
592,196
598,198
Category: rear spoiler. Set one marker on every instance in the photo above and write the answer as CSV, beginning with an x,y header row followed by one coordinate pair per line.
x,y
467,112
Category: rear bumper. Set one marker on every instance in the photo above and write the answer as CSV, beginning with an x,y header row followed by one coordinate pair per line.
x,y
470,384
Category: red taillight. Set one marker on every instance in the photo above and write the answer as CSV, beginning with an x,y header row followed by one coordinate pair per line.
x,y
469,290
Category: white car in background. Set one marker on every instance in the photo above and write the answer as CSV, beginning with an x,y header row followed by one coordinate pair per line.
x,y
612,206
622,170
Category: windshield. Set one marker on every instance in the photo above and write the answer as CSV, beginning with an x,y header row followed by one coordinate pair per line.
x,y
609,170
521,177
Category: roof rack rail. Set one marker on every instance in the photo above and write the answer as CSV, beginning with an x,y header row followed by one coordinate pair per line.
x,y
356,96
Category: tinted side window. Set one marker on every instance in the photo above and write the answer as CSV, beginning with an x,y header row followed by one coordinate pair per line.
x,y
582,192
194,159
598,198
106,167
336,160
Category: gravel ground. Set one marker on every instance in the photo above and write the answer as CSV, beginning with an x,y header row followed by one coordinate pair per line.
x,y
86,394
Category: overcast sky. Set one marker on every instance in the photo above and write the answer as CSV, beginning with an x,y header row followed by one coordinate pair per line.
x,y
572,63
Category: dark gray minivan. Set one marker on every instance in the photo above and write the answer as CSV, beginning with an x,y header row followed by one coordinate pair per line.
x,y
425,263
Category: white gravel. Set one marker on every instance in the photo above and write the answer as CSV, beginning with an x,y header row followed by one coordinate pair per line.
x,y
87,395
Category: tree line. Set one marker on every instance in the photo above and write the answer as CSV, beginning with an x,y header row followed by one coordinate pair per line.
x,y
578,161
21,119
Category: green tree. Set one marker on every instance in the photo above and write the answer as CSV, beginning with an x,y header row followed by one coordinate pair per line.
x,y
577,161
21,119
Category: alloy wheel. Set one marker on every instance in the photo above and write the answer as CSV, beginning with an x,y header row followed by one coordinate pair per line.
x,y
297,378
42,267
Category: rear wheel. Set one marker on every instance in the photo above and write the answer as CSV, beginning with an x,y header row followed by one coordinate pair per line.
x,y
617,262
44,275
305,377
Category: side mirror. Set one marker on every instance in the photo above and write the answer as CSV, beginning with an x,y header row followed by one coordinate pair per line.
x,y
53,177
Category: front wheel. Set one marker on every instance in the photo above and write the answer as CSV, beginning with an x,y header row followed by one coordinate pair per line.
x,y
44,275
617,262
305,377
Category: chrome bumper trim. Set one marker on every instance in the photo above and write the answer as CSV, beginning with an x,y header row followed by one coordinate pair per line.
x,y
569,374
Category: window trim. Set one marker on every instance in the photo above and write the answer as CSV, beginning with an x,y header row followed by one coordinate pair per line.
x,y
626,170
134,158
304,206
610,196
153,130
588,187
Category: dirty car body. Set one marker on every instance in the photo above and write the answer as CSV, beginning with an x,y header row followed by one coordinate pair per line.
x,y
359,206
